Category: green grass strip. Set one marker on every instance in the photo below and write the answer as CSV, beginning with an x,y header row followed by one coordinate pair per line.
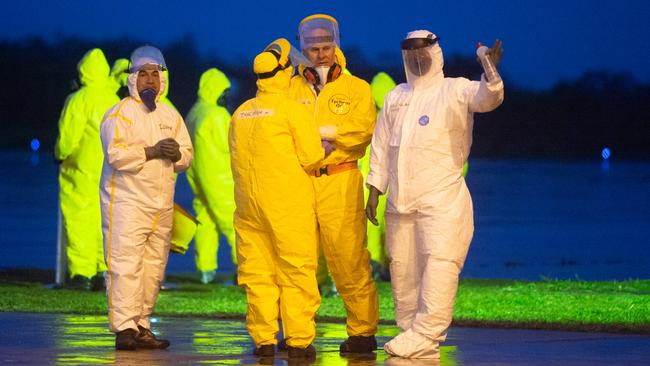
x,y
568,305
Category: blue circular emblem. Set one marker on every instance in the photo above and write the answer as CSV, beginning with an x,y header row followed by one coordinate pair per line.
x,y
424,120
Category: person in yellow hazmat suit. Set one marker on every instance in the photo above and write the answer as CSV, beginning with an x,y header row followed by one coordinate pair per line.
x,y
274,143
209,175
79,151
145,142
345,114
119,73
163,97
380,85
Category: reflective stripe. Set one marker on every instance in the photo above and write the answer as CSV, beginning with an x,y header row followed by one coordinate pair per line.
x,y
108,249
178,124
155,222
121,116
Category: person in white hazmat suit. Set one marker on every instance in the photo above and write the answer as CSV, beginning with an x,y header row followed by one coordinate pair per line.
x,y
420,143
145,142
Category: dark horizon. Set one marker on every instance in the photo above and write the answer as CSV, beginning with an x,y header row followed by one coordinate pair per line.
x,y
574,119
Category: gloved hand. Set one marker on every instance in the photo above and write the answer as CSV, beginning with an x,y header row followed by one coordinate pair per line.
x,y
164,149
328,146
153,152
170,149
495,52
371,205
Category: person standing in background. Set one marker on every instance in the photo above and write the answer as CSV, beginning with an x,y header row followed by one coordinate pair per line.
x,y
78,149
380,85
209,175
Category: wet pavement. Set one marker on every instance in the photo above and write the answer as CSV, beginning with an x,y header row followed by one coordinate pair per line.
x,y
42,339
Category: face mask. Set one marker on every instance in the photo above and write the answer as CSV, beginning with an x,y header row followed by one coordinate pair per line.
x,y
148,97
322,74
223,99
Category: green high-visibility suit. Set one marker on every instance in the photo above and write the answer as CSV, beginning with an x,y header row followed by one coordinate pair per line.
x,y
79,149
209,175
381,84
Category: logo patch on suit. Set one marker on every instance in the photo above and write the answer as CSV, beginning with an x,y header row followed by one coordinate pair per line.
x,y
339,104
424,120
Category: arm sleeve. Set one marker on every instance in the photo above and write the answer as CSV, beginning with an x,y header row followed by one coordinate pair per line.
x,y
482,96
120,151
185,142
72,123
356,132
378,174
306,137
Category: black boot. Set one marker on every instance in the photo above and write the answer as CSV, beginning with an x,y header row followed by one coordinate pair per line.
x,y
266,350
282,346
125,340
359,344
98,282
78,282
146,339
307,352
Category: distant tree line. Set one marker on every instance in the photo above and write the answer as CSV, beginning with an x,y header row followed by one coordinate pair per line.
x,y
574,119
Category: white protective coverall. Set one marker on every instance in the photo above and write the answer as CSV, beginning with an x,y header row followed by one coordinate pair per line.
x,y
422,138
137,199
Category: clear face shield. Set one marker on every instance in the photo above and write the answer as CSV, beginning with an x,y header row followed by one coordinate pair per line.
x,y
287,52
422,58
319,28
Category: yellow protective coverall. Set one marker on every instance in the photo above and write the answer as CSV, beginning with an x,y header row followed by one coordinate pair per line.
x,y
209,175
381,84
345,113
137,199
273,142
80,151
119,73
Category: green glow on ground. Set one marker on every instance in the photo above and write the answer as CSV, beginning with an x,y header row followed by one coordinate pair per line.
x,y
569,305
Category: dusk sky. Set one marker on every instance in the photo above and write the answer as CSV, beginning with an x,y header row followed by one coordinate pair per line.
x,y
544,41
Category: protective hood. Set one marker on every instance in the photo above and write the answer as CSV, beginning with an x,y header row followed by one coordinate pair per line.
x,y
273,67
212,85
381,84
422,57
93,68
120,71
340,58
143,56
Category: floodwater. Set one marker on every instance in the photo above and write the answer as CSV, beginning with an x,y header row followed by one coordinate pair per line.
x,y
534,219
66,339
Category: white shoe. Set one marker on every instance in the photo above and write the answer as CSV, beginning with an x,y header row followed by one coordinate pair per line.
x,y
399,361
410,344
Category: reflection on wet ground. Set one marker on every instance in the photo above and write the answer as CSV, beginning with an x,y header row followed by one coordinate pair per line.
x,y
76,339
